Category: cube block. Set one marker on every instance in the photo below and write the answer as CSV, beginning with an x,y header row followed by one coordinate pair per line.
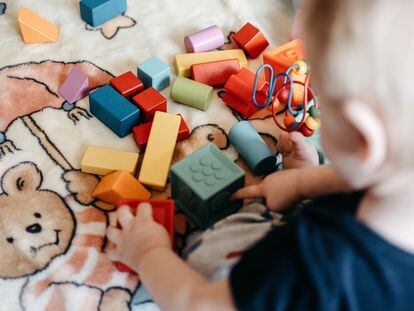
x,y
102,161
76,86
127,84
35,29
160,150
251,40
215,73
155,73
120,185
202,184
114,110
142,132
96,12
150,101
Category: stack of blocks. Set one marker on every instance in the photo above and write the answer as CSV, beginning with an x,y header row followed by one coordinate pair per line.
x,y
202,184
150,101
127,84
97,12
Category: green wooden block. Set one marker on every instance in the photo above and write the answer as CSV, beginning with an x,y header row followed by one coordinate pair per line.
x,y
191,93
202,183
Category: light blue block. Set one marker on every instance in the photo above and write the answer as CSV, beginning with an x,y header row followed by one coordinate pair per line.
x,y
154,72
96,12
114,110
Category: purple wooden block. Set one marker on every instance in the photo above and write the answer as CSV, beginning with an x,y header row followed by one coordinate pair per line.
x,y
76,86
204,40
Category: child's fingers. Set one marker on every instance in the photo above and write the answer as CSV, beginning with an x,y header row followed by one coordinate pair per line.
x,y
144,211
114,235
125,216
248,193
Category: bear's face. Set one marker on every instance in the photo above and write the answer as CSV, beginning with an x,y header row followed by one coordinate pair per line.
x,y
35,225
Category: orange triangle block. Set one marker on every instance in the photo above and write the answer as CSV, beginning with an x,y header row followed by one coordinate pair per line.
x,y
36,29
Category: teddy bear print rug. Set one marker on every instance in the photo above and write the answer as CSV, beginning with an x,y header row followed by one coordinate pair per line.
x,y
52,231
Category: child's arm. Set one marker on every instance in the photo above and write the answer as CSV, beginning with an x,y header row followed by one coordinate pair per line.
x,y
145,246
284,188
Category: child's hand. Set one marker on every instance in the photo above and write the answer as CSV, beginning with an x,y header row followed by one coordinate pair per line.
x,y
138,237
280,189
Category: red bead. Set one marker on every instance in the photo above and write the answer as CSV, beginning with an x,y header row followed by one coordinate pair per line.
x,y
306,131
251,40
215,73
150,101
284,95
127,84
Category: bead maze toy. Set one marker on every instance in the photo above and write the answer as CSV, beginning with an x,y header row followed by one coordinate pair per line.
x,y
35,29
251,40
202,183
150,101
114,110
96,12
127,84
154,73
102,161
120,185
75,87
215,73
207,39
191,93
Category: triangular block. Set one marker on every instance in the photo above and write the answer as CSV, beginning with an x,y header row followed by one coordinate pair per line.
x,y
76,86
36,29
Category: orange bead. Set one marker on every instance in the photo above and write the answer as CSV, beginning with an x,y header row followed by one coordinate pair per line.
x,y
312,123
289,120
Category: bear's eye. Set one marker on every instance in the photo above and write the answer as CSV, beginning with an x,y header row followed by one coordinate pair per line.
x,y
10,240
37,215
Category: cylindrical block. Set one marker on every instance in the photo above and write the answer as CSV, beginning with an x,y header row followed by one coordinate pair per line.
x,y
191,93
244,137
204,40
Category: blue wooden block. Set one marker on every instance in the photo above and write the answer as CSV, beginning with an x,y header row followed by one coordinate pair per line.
x,y
155,73
114,110
96,12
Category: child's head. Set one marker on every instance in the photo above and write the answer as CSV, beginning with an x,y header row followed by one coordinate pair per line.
x,y
362,58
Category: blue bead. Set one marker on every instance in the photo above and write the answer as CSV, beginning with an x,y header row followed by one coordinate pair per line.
x,y
114,110
155,73
96,12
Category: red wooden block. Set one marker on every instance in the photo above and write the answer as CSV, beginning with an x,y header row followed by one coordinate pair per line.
x,y
150,101
127,84
244,107
142,131
251,40
215,73
163,213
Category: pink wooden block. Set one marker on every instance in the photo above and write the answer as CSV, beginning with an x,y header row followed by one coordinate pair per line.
x,y
76,86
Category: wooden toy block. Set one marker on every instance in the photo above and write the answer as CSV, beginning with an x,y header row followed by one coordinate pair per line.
x,y
203,183
127,84
191,93
159,151
207,39
215,73
96,12
155,73
245,108
120,185
102,161
183,62
76,86
142,132
150,101
35,29
114,110
251,40
163,213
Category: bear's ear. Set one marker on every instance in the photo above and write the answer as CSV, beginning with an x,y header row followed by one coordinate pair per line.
x,y
23,177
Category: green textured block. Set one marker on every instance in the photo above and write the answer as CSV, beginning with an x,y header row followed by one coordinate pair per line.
x,y
202,183
191,93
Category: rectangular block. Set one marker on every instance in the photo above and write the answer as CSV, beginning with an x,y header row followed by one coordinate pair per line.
x,y
76,86
245,108
150,101
183,62
142,132
102,161
96,12
120,185
215,73
114,110
36,29
251,40
127,84
202,184
160,150
154,73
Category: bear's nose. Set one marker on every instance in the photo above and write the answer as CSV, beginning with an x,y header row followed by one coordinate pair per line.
x,y
35,228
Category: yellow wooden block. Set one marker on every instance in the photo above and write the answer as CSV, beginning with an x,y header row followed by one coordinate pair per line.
x,y
36,29
183,62
102,161
159,152
120,185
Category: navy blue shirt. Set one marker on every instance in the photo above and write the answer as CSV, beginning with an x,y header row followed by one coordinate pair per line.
x,y
324,259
